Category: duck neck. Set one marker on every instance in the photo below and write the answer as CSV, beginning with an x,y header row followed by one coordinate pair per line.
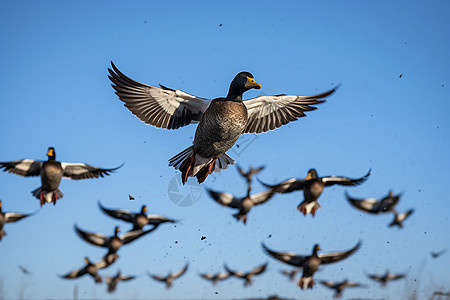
x,y
234,97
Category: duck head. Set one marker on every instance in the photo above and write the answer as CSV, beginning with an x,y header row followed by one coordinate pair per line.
x,y
143,209
316,248
86,260
241,83
0,206
51,153
116,230
312,174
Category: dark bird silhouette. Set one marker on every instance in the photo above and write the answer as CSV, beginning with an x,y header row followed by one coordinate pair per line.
x,y
312,187
9,217
247,276
384,279
51,172
248,175
170,277
138,219
112,281
437,254
214,278
24,270
374,206
399,218
220,121
340,286
90,269
291,273
310,263
114,242
244,205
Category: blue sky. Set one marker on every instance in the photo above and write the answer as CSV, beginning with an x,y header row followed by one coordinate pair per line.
x,y
54,91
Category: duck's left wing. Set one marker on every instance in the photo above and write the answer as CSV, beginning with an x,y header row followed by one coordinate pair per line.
x,y
161,107
270,112
332,257
395,276
134,234
181,272
95,239
11,217
262,197
340,180
259,269
289,258
24,167
225,199
84,171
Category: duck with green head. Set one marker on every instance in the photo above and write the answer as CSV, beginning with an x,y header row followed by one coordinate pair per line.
x,y
220,121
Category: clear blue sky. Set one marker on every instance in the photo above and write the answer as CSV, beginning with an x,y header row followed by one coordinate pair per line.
x,y
54,91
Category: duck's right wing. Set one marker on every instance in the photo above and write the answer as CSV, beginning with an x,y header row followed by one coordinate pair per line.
x,y
121,214
161,107
289,258
24,167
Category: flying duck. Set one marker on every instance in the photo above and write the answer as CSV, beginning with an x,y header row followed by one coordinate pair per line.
x,y
374,206
112,281
90,268
340,286
291,273
399,218
51,172
214,278
242,204
312,187
247,276
139,220
170,277
220,121
437,254
249,174
113,243
310,263
384,279
9,217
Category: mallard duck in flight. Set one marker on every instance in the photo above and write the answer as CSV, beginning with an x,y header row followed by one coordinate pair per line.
x,y
384,279
310,263
170,277
340,286
220,121
214,278
139,220
399,218
374,206
243,204
112,281
312,187
90,269
9,217
114,242
248,276
51,172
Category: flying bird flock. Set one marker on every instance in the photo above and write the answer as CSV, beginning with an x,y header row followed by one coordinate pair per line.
x,y
220,122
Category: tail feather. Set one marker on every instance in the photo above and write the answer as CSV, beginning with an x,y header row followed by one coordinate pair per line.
x,y
48,196
192,164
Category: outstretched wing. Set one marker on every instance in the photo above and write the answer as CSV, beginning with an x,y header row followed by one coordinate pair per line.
x,y
121,214
234,273
329,284
262,197
84,171
11,217
332,257
75,273
368,205
286,186
160,107
340,180
270,112
181,272
225,199
395,276
134,234
289,258
259,269
24,167
95,239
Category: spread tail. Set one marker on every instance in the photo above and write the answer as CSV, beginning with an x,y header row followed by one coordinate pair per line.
x,y
192,164
48,197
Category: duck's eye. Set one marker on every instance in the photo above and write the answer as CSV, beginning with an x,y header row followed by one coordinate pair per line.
x,y
252,80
